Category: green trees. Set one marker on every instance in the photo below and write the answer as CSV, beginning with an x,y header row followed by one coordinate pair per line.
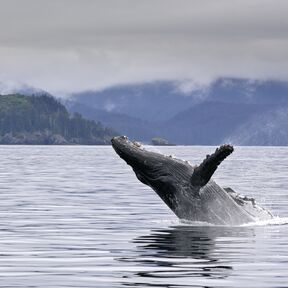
x,y
44,120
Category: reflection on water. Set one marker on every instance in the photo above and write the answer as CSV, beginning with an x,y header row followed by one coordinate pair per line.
x,y
188,251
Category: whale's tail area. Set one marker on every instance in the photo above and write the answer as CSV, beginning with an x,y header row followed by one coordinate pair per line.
x,y
203,173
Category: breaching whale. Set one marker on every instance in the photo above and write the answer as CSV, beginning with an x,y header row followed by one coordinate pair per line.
x,y
189,190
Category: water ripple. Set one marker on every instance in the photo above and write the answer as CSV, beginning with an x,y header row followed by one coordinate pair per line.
x,y
78,217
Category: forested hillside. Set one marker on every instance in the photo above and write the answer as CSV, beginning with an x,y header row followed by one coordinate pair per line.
x,y
44,120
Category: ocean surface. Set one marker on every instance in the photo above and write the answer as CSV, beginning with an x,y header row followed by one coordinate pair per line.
x,y
76,216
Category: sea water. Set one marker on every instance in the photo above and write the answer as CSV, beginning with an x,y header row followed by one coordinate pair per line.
x,y
76,216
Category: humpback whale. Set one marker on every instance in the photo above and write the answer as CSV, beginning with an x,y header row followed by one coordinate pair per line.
x,y
189,190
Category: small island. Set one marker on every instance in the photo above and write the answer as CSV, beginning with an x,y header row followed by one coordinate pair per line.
x,y
158,141
43,120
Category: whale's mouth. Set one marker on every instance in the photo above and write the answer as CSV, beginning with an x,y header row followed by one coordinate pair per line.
x,y
135,155
151,168
122,143
132,152
156,170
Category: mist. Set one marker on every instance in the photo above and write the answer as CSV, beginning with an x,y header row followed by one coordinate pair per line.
x,y
68,46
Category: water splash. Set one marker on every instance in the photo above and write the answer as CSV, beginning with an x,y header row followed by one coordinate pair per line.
x,y
271,222
275,221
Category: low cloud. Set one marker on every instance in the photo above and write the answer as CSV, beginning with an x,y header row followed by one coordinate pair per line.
x,y
67,45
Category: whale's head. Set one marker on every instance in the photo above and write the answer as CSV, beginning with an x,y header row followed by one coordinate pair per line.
x,y
166,175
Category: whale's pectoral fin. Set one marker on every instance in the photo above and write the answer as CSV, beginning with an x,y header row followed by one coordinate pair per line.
x,y
206,169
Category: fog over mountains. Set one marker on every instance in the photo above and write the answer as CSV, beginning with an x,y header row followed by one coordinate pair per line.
x,y
11,87
129,63
240,111
234,110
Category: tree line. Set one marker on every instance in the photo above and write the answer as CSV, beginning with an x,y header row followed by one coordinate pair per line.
x,y
29,114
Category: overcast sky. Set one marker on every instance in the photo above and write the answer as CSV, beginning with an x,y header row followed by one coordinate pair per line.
x,y
72,45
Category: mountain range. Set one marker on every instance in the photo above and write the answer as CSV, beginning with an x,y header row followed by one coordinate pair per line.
x,y
239,111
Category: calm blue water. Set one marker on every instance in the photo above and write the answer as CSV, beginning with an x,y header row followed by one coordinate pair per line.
x,y
78,217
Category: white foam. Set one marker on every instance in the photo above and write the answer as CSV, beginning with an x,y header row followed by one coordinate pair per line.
x,y
269,222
